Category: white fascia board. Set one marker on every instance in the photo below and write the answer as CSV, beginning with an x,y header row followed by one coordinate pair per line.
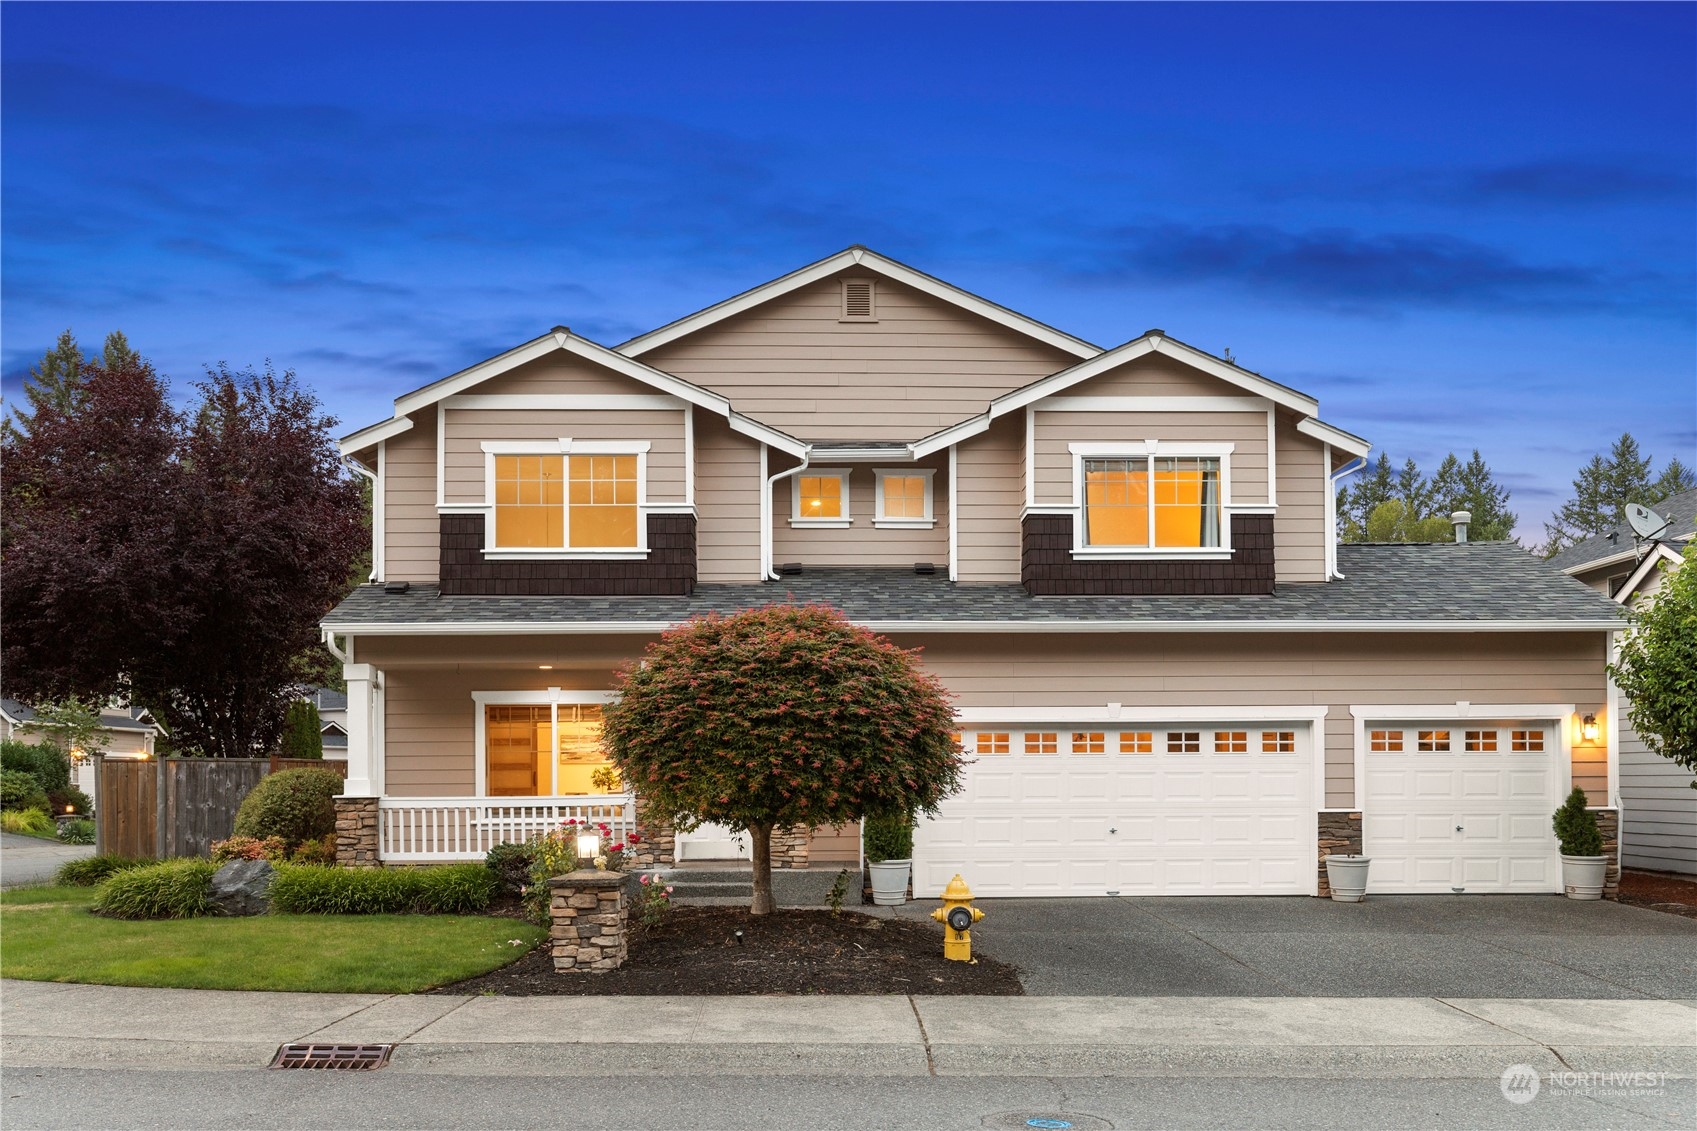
x,y
950,436
878,264
783,441
1659,554
1462,710
586,628
655,402
1601,563
375,434
1336,437
1122,713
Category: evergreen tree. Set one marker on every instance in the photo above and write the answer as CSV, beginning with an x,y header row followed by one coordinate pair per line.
x,y
1357,503
1602,489
1413,489
1487,501
1423,506
303,735
118,354
1675,477
55,384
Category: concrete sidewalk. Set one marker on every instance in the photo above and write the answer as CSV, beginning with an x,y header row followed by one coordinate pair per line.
x,y
50,1024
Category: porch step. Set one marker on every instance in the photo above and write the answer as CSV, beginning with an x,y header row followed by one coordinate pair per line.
x,y
732,886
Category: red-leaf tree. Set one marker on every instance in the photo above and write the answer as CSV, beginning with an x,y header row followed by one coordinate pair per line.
x,y
183,560
777,717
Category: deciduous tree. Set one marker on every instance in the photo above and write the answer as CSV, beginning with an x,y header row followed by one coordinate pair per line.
x,y
1423,506
778,717
1657,668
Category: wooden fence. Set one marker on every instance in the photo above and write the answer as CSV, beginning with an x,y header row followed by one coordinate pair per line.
x,y
168,807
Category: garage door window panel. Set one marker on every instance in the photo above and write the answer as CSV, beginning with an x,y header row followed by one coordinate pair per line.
x,y
1137,742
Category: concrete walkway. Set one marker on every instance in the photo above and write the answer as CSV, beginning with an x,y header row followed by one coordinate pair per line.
x,y
28,860
48,1024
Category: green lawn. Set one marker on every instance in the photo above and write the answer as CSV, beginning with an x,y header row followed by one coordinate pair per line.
x,y
320,953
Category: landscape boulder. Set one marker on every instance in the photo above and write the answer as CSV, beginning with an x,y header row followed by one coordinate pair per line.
x,y
243,887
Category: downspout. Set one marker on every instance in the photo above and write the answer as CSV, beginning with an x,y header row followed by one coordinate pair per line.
x,y
1349,468
359,468
771,516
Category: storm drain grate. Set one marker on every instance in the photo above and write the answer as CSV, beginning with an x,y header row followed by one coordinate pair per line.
x,y
347,1058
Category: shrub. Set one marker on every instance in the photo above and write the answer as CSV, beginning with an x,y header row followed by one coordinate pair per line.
x,y
69,800
90,870
1576,827
248,848
302,736
889,838
510,864
297,805
314,889
19,790
174,889
320,851
30,822
77,832
45,762
654,900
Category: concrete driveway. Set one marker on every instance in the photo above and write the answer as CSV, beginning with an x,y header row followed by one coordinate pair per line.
x,y
27,860
1390,946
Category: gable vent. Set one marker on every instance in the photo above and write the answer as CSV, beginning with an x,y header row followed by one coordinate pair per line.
x,y
857,301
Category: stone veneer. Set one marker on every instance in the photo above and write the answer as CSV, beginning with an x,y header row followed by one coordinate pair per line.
x,y
658,846
790,846
356,832
1608,823
1047,567
587,909
1340,834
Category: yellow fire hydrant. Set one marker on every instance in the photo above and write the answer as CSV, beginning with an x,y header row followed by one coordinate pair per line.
x,y
958,915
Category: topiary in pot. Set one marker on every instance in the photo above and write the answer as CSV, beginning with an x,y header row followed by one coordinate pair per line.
x,y
1584,868
888,841
296,805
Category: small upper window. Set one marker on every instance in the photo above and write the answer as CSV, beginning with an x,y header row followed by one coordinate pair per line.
x,y
1163,502
903,498
821,496
860,300
558,502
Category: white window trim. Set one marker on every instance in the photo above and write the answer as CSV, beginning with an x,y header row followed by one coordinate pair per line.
x,y
553,697
871,297
880,519
842,474
1149,449
565,446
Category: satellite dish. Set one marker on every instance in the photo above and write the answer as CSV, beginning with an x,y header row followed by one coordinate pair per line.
x,y
1645,522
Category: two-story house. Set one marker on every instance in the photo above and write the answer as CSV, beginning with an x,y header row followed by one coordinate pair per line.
x,y
1123,562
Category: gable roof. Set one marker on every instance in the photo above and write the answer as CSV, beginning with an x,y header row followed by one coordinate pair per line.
x,y
561,339
1619,545
111,718
1150,342
1659,553
866,258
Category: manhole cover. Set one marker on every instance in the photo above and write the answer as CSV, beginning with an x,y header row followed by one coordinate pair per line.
x,y
347,1058
1047,1121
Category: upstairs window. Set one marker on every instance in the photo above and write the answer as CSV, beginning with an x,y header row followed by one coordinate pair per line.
x,y
530,502
903,498
603,501
587,501
1160,502
820,497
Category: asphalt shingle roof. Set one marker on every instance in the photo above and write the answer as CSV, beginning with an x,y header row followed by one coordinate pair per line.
x,y
1680,510
1475,582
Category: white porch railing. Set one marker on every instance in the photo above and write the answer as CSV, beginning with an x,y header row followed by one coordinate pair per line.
x,y
435,829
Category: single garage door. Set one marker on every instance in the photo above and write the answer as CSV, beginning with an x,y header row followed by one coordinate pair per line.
x,y
1184,808
1461,805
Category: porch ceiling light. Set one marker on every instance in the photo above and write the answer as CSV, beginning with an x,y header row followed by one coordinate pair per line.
x,y
545,667
1588,728
588,846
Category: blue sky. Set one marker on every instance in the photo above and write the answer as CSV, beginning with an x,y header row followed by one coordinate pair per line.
x,y
1458,226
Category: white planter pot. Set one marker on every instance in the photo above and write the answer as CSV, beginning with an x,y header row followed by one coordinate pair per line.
x,y
1347,876
1582,877
889,881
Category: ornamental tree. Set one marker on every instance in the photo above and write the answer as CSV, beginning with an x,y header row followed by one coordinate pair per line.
x,y
777,717
1657,668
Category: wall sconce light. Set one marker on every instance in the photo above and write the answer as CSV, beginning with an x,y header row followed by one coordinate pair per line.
x,y
1588,728
588,846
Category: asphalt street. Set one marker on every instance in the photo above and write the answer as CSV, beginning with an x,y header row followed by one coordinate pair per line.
x,y
29,860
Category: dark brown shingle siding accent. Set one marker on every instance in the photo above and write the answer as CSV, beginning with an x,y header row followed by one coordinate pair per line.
x,y
1048,569
668,571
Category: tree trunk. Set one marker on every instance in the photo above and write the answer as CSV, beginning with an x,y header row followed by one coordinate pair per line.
x,y
762,853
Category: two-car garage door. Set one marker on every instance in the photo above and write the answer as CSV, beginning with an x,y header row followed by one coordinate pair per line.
x,y
1139,809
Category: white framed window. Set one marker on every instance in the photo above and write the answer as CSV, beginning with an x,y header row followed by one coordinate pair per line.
x,y
538,743
565,498
1156,499
860,300
819,496
902,497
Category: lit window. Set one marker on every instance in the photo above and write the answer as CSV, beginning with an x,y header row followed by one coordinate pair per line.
x,y
1386,741
1481,741
821,497
1231,742
1184,742
958,741
1526,741
1042,743
603,501
1278,742
1437,741
993,742
903,496
1164,502
1136,742
538,507
529,498
519,741
1089,742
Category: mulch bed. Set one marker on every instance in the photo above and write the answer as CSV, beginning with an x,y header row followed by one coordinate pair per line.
x,y
1659,891
696,951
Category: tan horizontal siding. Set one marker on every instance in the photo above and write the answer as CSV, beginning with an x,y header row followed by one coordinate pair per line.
x,y
727,502
466,430
925,364
411,532
988,500
1299,527
1245,431
864,544
1155,375
562,373
834,844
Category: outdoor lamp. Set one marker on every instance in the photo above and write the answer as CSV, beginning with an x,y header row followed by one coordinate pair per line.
x,y
588,846
1588,728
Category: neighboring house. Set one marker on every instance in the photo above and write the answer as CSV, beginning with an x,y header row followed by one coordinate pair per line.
x,y
130,733
1170,677
332,721
1658,805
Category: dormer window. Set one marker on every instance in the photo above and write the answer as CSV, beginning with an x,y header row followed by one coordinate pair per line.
x,y
859,300
582,498
1152,498
820,498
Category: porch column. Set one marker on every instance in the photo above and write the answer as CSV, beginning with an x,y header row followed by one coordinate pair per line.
x,y
365,753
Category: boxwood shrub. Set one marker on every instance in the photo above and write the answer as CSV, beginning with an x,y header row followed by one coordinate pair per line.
x,y
297,805
20,790
90,870
174,889
43,761
448,889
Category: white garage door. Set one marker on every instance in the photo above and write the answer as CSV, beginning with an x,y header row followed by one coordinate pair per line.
x,y
1185,808
1461,805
